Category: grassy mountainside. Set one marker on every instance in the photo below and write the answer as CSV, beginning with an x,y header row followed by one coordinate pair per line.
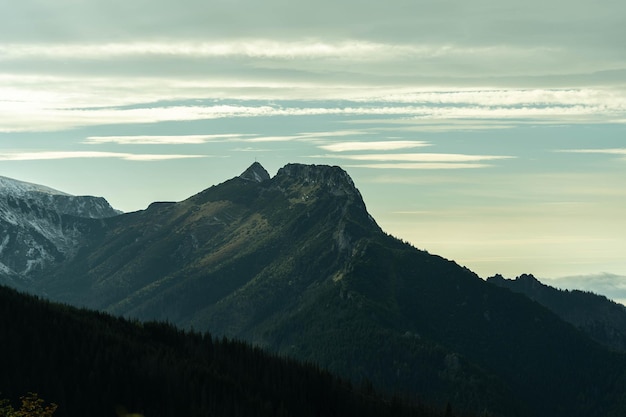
x,y
296,264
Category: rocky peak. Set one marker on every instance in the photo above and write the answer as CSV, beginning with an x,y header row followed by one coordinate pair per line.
x,y
256,173
336,179
525,283
530,282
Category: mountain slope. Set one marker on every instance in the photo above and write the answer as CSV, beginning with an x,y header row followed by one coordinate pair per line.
x,y
602,319
92,364
295,264
41,227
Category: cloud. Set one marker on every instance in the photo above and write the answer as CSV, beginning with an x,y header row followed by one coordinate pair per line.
x,y
399,43
610,285
261,48
610,151
49,155
433,165
507,97
424,157
274,138
373,146
303,136
429,161
614,151
230,137
160,140
24,116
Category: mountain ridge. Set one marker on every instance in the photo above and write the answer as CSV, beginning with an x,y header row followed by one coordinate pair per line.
x,y
41,227
296,264
159,370
17,187
602,319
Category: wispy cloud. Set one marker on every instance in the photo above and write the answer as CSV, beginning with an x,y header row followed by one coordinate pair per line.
x,y
277,138
433,165
160,140
390,145
620,152
613,151
23,117
234,137
49,155
506,97
264,48
345,49
430,161
424,157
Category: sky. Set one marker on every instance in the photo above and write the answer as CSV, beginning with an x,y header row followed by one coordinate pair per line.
x,y
488,132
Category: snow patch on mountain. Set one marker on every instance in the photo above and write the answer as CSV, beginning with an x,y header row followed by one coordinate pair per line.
x,y
41,226
10,186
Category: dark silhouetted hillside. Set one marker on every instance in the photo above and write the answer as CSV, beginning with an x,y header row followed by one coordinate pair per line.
x,y
92,364
602,319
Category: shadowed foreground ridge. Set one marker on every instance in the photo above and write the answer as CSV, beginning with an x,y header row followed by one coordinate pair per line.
x,y
295,264
92,364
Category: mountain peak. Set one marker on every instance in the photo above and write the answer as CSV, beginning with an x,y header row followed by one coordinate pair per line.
x,y
10,186
525,281
334,177
256,173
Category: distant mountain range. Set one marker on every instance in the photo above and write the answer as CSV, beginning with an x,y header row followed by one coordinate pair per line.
x,y
41,227
295,264
602,319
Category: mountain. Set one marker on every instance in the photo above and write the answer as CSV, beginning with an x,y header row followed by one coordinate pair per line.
x,y
256,173
93,364
602,319
295,264
41,227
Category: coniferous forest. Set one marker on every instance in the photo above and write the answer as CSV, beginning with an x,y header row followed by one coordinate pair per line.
x,y
94,364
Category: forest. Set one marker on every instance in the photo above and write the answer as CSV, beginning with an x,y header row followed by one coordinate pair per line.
x,y
84,362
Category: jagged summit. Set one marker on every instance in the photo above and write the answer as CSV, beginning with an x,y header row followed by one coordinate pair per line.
x,y
256,173
333,178
525,281
338,180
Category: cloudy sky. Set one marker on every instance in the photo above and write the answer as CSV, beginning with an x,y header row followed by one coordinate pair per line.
x,y
489,132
